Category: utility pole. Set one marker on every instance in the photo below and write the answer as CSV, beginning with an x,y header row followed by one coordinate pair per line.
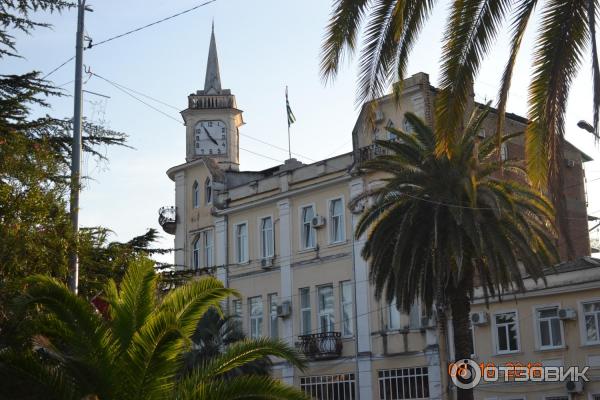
x,y
76,152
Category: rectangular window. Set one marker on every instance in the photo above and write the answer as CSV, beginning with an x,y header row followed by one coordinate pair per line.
x,y
241,243
196,254
208,248
236,306
266,238
308,233
347,308
256,316
591,318
326,308
329,387
549,328
336,221
557,398
305,317
274,321
403,383
196,195
507,334
393,316
414,316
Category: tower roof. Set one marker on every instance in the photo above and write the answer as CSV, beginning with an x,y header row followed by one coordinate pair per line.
x,y
212,82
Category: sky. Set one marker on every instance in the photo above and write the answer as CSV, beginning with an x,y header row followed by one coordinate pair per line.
x,y
263,45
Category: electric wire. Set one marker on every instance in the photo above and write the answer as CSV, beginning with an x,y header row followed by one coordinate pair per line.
x,y
91,45
127,90
124,89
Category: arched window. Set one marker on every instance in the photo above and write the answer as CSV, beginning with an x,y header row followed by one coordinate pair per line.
x,y
407,127
196,254
196,195
208,191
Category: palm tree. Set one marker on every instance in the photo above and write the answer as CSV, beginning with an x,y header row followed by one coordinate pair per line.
x,y
135,352
567,28
213,334
442,224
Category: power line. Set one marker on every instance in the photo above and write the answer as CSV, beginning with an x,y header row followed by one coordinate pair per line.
x,y
137,98
91,45
59,67
127,91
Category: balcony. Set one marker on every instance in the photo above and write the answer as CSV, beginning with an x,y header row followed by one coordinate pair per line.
x,y
369,152
320,346
167,218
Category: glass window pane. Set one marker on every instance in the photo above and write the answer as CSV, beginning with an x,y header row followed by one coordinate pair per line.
x,y
502,339
556,333
544,333
548,313
512,329
590,328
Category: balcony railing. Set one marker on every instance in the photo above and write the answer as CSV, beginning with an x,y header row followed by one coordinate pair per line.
x,y
369,152
321,346
167,218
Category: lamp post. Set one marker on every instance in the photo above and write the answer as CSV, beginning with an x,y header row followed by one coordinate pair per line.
x,y
586,126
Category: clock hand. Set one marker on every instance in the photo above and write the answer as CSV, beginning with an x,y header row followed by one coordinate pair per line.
x,y
210,137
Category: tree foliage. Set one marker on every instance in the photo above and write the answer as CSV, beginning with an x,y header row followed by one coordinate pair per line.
x,y
442,224
35,154
215,333
566,31
135,350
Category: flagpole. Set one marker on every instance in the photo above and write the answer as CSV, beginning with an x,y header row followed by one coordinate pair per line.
x,y
289,140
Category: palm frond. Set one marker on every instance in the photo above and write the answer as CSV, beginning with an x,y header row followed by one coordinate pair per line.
x,y
133,302
520,21
191,301
241,353
341,34
241,388
472,27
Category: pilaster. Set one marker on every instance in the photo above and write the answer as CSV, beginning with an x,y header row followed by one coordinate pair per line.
x,y
181,227
363,307
285,256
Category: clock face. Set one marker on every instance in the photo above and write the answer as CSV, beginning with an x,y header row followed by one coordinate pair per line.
x,y
211,138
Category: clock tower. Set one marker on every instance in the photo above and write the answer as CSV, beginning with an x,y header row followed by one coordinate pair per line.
x,y
212,118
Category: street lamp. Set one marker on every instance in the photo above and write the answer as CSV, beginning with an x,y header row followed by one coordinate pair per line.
x,y
586,126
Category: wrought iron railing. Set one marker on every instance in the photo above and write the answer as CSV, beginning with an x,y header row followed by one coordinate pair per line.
x,y
370,152
320,346
167,218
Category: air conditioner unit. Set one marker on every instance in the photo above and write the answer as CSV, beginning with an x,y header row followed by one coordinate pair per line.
x,y
479,318
266,263
317,221
284,309
574,386
379,116
567,314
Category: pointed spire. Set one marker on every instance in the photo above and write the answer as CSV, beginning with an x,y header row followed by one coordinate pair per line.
x,y
212,82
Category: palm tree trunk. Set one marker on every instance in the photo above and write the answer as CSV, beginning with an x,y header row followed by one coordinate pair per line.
x,y
442,325
461,308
